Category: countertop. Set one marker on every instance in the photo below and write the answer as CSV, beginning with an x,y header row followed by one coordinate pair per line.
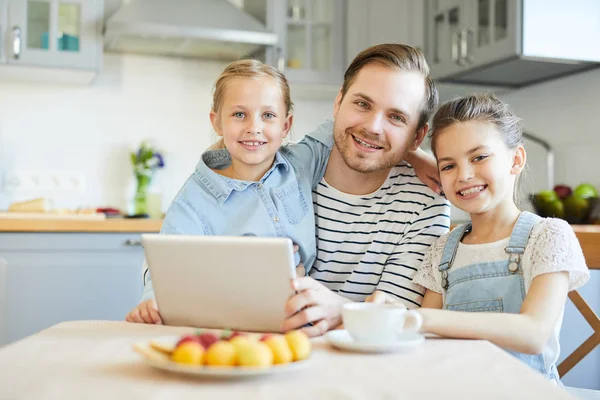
x,y
85,226
588,235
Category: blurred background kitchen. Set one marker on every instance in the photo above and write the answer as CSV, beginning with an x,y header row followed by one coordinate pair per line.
x,y
84,82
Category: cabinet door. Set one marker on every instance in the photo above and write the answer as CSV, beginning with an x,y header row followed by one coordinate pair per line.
x,y
383,21
493,32
312,38
3,29
447,20
65,277
54,33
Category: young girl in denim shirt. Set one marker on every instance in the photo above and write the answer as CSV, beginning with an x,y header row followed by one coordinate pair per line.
x,y
247,184
506,274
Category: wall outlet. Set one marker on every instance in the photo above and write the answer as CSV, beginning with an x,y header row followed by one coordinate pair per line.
x,y
53,181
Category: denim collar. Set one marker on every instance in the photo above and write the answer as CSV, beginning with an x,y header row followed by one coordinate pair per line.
x,y
221,186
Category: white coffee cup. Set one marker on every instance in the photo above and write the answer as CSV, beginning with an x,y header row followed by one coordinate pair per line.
x,y
378,323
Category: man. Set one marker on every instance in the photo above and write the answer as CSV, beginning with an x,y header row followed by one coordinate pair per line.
x,y
375,219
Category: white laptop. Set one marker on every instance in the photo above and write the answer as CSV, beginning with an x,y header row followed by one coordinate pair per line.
x,y
235,282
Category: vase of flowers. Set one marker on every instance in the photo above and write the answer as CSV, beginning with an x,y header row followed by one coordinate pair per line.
x,y
145,163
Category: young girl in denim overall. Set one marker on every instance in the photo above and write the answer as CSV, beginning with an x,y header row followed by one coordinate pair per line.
x,y
504,276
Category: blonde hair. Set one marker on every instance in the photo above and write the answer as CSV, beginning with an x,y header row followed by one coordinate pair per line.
x,y
482,107
397,56
248,68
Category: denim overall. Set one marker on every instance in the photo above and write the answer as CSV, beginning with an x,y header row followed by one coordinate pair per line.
x,y
495,286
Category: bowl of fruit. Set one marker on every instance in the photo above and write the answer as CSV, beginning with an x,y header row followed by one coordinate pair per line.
x,y
576,206
227,354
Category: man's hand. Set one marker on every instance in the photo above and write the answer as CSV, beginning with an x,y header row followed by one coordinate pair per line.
x,y
426,169
379,297
313,303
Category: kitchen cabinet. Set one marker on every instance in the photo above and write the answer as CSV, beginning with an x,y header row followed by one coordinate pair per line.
x,y
47,278
470,33
311,48
383,21
52,34
510,42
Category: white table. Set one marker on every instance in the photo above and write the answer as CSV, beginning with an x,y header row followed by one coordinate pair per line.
x,y
95,360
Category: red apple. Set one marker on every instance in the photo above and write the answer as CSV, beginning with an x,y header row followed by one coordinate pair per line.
x,y
207,339
265,336
563,191
235,334
188,338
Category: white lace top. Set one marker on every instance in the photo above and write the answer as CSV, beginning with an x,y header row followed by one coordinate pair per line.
x,y
552,247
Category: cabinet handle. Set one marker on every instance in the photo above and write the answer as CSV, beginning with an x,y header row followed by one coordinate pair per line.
x,y
133,243
464,44
16,42
456,49
280,60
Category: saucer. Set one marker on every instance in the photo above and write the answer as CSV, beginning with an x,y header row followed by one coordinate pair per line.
x,y
341,339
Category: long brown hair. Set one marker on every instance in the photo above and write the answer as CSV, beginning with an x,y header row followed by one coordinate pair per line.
x,y
483,107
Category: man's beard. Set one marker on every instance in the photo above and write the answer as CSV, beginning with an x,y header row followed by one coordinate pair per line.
x,y
342,138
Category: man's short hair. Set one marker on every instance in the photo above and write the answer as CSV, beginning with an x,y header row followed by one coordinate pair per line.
x,y
404,58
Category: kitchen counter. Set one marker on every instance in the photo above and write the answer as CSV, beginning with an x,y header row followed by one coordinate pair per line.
x,y
86,226
588,235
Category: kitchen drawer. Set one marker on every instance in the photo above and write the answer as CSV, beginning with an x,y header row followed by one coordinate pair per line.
x,y
33,241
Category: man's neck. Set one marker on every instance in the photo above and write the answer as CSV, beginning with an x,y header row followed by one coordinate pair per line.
x,y
349,181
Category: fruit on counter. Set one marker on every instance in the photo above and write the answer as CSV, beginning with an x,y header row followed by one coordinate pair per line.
x,y
576,209
586,191
221,353
188,353
562,202
562,191
255,354
282,353
299,344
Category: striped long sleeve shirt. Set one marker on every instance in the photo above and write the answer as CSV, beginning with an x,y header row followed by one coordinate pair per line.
x,y
377,241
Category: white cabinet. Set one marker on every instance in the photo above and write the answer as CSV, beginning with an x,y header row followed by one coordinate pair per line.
x,y
469,33
47,278
52,34
311,48
383,21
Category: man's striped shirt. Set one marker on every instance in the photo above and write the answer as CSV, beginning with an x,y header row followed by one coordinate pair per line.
x,y
377,241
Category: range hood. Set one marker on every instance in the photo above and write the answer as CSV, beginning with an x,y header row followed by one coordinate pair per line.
x,y
211,29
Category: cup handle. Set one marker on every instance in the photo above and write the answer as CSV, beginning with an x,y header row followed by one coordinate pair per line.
x,y
417,321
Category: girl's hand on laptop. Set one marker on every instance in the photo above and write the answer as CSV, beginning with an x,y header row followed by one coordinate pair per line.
x,y
146,313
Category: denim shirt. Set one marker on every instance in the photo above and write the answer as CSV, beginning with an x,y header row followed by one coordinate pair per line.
x,y
278,205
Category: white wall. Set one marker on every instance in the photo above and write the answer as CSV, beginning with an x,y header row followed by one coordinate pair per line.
x,y
92,129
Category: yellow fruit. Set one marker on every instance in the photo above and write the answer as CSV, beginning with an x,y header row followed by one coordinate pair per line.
x,y
255,354
188,353
239,342
282,354
221,353
299,344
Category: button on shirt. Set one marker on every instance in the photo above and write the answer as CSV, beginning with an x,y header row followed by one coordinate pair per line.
x,y
279,205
